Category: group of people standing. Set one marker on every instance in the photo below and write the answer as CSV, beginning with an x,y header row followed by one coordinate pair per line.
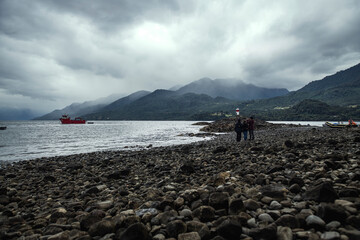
x,y
245,127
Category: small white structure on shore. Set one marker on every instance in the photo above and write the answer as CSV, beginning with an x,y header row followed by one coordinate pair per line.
x,y
237,112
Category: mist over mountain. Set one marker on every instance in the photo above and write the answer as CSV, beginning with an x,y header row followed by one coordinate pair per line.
x,y
7,114
163,105
231,89
211,89
125,100
341,88
79,109
332,97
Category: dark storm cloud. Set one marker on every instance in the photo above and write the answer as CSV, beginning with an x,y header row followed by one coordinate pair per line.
x,y
114,14
53,53
324,37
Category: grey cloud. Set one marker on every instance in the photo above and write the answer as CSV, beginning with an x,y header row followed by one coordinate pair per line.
x,y
114,14
50,48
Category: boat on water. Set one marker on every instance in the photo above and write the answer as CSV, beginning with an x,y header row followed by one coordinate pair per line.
x,y
339,125
65,119
3,128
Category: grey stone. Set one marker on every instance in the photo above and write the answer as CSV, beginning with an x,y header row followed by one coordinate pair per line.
x,y
284,233
266,218
330,236
316,222
274,205
251,204
175,228
136,231
189,236
230,229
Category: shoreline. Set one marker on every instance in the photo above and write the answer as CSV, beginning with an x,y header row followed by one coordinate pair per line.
x,y
280,184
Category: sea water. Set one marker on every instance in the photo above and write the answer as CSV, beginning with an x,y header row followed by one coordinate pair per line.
x,y
23,140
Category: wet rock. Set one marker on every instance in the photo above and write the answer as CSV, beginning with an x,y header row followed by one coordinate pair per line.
x,y
284,233
274,191
323,192
353,221
276,168
297,180
220,149
236,206
251,204
316,222
274,205
49,178
288,221
87,220
52,230
295,188
4,200
142,212
175,228
187,167
3,191
104,205
219,200
101,228
92,190
60,236
348,193
332,212
159,236
204,213
118,174
289,144
230,229
189,236
163,218
179,202
333,225
136,231
269,232
199,227
330,236
190,195
187,213
351,234
265,217
75,166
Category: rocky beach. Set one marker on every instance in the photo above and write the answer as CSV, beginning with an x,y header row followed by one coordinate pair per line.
x,y
289,183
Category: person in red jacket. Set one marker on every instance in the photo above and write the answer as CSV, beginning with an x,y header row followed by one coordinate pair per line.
x,y
251,124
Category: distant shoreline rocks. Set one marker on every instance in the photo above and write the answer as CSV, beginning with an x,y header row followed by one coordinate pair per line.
x,y
228,124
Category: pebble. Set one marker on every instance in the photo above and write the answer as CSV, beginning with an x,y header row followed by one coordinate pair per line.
x,y
330,236
274,205
316,222
266,218
291,182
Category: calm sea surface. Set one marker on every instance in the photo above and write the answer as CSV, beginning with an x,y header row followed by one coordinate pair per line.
x,y
25,140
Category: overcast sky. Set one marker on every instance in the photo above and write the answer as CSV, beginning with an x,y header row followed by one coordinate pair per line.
x,y
56,52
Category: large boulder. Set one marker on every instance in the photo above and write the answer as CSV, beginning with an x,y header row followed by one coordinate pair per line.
x,y
323,192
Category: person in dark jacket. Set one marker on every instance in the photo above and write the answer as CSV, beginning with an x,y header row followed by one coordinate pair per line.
x,y
245,128
238,130
251,124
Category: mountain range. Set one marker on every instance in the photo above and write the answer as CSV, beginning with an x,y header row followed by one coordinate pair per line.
x,y
333,97
186,101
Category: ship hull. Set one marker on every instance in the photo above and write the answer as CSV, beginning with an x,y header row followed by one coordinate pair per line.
x,y
67,121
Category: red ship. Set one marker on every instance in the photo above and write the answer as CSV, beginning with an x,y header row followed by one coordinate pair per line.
x,y
65,119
